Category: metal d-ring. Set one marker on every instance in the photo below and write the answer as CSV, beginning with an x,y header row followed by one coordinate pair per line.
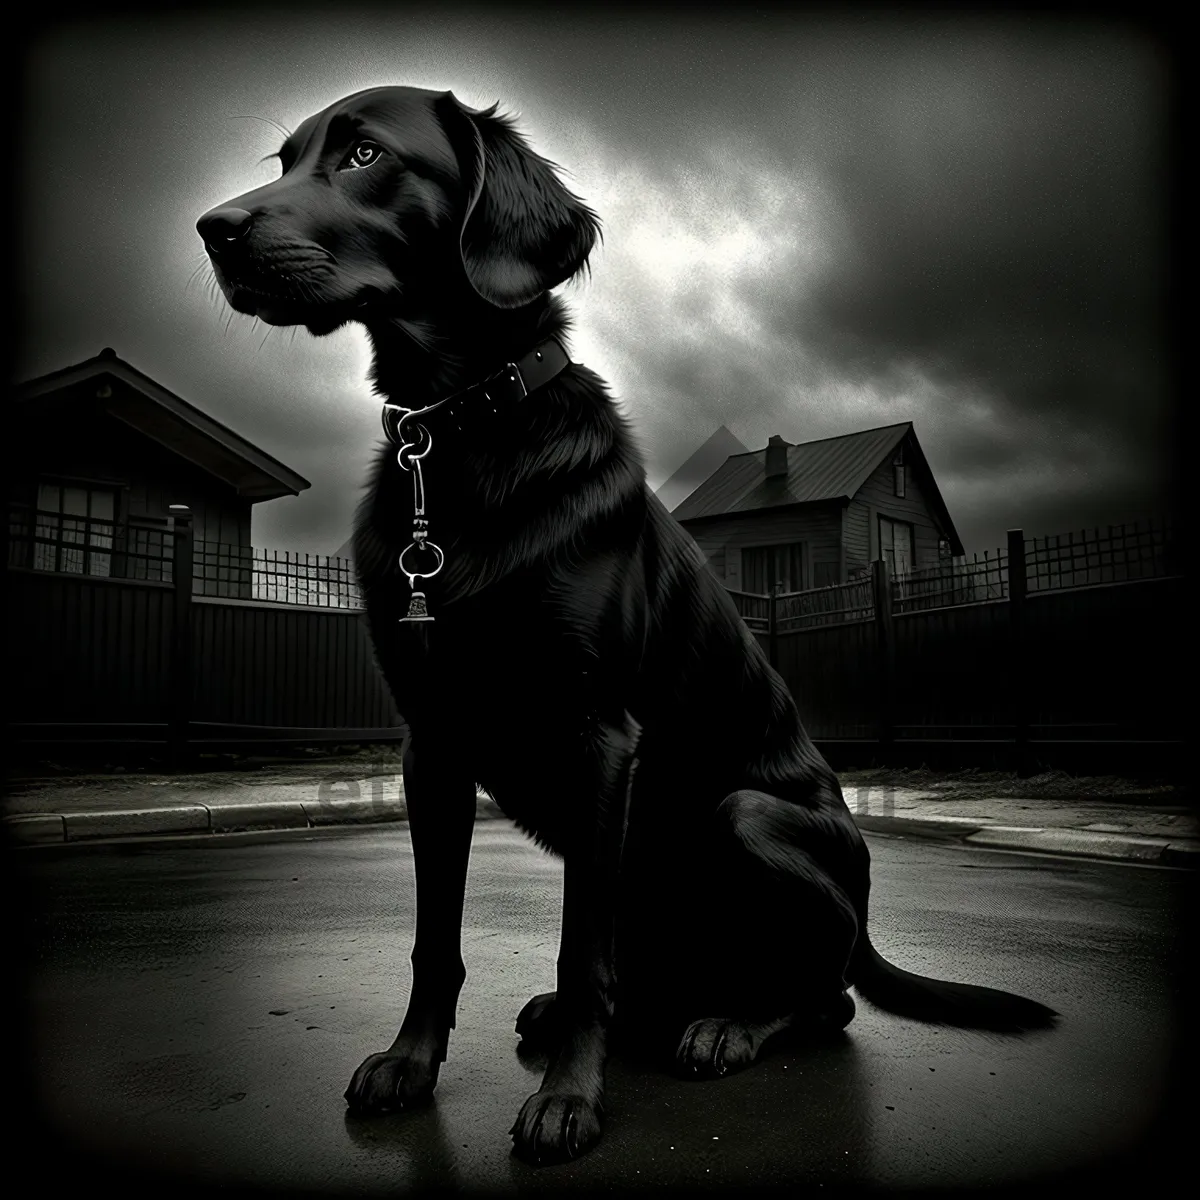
x,y
422,574
392,415
407,448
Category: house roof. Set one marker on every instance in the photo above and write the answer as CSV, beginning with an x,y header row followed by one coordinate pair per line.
x,y
150,408
699,467
830,469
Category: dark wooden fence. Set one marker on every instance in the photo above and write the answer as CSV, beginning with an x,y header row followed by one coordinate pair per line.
x,y
149,656
1050,644
139,634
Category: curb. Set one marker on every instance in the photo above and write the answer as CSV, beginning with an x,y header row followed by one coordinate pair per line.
x,y
1071,841
940,829
45,829
1066,842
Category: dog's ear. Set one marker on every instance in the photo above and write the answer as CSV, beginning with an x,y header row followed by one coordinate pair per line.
x,y
522,232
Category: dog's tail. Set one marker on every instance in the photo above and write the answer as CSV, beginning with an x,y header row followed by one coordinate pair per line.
x,y
940,1002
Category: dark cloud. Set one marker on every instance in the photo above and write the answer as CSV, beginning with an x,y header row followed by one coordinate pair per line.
x,y
813,225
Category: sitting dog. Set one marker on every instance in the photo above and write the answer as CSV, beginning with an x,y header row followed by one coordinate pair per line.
x,y
550,633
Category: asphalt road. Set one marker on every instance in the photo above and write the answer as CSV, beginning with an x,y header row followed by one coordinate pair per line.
x,y
199,1006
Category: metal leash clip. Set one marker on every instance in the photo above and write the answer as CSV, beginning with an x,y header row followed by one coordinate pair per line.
x,y
409,457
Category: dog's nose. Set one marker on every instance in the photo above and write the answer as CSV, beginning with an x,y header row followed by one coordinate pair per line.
x,y
223,226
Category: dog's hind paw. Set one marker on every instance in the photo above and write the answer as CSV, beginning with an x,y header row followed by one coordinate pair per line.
x,y
714,1047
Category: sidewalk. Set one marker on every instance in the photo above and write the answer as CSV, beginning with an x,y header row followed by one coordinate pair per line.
x,y
1151,826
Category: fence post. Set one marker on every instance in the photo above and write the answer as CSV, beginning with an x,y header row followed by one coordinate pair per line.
x,y
1018,649
772,626
180,703
881,581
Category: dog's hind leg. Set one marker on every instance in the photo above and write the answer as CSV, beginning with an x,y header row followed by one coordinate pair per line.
x,y
779,928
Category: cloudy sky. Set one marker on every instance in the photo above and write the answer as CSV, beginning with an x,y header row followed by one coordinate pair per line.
x,y
812,226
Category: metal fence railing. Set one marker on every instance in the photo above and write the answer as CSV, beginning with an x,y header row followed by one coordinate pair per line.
x,y
142,549
278,576
952,582
1115,554
832,605
752,608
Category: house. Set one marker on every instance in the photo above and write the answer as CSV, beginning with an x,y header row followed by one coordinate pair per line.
x,y
818,513
99,452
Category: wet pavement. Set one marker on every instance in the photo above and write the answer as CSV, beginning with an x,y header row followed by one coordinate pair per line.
x,y
200,1005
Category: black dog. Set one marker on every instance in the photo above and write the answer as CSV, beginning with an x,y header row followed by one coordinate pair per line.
x,y
576,633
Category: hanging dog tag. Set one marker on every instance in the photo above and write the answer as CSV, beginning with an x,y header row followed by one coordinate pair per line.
x,y
416,609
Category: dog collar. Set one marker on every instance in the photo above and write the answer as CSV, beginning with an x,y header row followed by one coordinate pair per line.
x,y
507,387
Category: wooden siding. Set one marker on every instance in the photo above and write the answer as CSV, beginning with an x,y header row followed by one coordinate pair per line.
x,y
712,546
856,538
1096,656
952,668
84,650
287,666
818,527
833,676
1089,670
877,498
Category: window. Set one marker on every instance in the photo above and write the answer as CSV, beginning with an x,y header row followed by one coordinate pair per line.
x,y
73,529
896,545
899,481
825,574
764,566
944,548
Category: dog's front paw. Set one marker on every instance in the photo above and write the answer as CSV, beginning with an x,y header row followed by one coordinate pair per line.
x,y
399,1078
554,1127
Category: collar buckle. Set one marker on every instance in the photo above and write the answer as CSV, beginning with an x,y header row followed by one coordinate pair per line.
x,y
507,386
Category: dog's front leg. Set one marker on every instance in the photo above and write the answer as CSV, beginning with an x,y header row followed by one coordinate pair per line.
x,y
441,816
563,1118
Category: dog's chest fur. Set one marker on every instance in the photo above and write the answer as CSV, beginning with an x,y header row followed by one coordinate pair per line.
x,y
502,669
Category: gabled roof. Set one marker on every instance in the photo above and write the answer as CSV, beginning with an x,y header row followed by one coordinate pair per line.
x,y
151,409
831,469
699,467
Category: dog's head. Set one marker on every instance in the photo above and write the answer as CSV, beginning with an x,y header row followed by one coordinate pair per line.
x,y
387,196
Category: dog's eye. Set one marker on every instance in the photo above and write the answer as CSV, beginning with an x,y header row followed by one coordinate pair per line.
x,y
363,155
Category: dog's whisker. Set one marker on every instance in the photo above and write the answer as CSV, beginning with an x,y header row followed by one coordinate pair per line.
x,y
287,133
203,271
